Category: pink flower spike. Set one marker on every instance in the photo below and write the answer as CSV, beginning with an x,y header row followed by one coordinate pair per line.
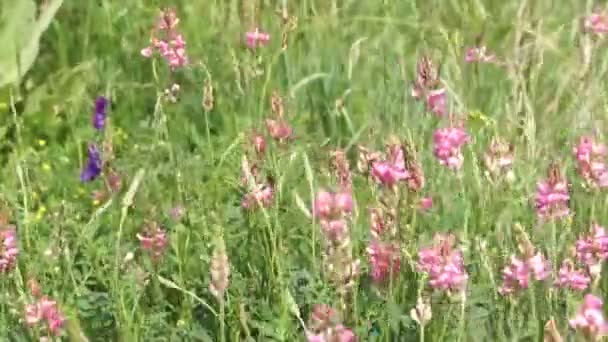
x,y
592,249
596,23
589,319
279,129
47,311
384,259
571,278
153,239
448,143
591,159
519,272
436,102
444,264
256,38
552,196
8,249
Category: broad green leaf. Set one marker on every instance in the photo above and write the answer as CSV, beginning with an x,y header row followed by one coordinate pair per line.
x,y
20,32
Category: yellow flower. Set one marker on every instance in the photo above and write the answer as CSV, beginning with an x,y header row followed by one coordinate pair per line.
x,y
42,142
46,167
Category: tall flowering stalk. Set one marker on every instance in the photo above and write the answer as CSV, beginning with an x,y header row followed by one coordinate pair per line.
x,y
444,265
167,40
220,279
9,249
341,168
592,249
591,162
333,210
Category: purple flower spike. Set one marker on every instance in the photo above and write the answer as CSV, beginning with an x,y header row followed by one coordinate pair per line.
x,y
99,116
93,168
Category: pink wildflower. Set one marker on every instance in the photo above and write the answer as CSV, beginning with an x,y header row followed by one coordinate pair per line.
x,y
384,259
517,274
279,129
392,170
426,203
8,249
552,197
427,77
589,319
153,239
592,249
45,310
259,144
261,195
325,326
571,278
591,159
256,38
167,40
444,264
479,54
436,102
596,22
448,143
330,208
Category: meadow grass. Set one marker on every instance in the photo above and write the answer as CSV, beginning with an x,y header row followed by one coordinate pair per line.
x,y
344,74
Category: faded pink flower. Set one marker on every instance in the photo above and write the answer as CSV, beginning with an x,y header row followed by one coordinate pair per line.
x,y
447,146
571,278
589,319
518,273
153,239
479,54
256,38
45,310
279,129
378,221
592,249
392,170
552,196
325,326
385,260
427,77
498,159
596,22
259,144
8,249
591,159
444,264
261,196
436,102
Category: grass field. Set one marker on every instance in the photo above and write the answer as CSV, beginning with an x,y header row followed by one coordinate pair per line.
x,y
312,170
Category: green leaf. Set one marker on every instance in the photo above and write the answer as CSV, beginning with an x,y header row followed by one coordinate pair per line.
x,y
20,32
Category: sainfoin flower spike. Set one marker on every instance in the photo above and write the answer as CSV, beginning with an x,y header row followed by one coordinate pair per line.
x,y
552,195
325,326
46,312
392,170
8,248
589,319
448,143
592,249
444,264
153,239
385,260
521,271
571,278
167,40
591,161
596,22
